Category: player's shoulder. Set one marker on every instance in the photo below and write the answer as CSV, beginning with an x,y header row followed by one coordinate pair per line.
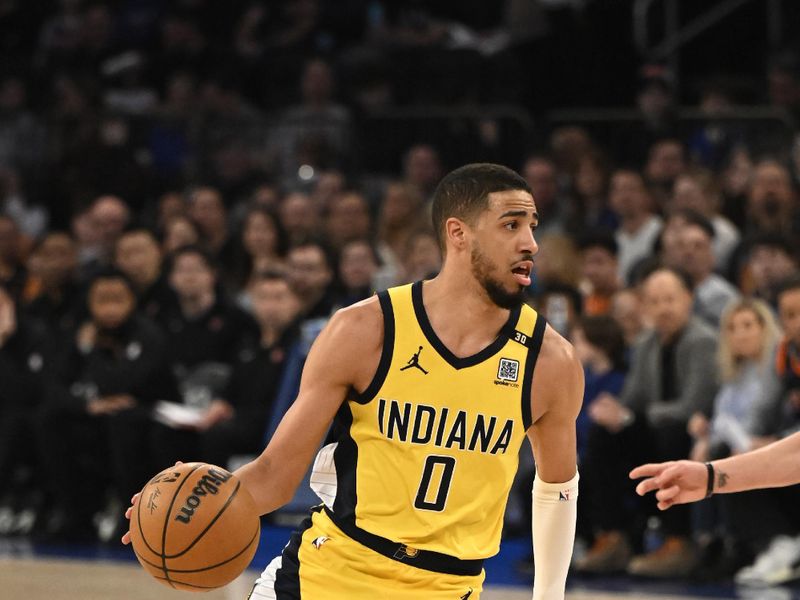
x,y
358,323
556,351
558,378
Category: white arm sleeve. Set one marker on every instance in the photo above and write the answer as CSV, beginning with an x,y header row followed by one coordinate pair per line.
x,y
555,510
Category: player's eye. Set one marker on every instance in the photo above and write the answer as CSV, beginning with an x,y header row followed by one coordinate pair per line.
x,y
511,225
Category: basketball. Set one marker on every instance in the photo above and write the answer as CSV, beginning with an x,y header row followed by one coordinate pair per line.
x,y
195,527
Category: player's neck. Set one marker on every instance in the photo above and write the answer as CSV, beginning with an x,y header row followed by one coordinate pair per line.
x,y
458,307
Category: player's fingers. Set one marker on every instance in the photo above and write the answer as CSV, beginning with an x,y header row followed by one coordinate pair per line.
x,y
135,498
126,539
665,505
647,470
128,513
178,462
648,485
668,494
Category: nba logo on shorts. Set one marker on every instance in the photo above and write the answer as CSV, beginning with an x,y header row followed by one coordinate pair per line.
x,y
508,370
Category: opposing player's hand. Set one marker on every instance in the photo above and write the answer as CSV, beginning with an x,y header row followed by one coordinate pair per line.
x,y
126,538
676,482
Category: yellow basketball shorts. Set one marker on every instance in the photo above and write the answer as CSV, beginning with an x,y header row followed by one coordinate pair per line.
x,y
320,562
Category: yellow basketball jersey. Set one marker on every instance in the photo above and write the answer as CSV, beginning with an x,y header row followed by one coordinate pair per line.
x,y
426,455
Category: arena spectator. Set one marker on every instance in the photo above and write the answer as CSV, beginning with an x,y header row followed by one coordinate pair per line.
x,y
639,226
770,260
712,293
138,255
771,200
207,210
207,332
236,422
52,293
423,258
300,217
422,168
626,308
26,355
179,231
402,213
698,191
358,267
542,175
774,415
348,219
671,378
263,245
97,413
311,275
666,161
600,270
590,191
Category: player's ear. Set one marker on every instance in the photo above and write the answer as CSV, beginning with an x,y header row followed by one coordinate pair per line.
x,y
456,232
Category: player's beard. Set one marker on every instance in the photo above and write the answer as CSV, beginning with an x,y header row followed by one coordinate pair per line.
x,y
482,269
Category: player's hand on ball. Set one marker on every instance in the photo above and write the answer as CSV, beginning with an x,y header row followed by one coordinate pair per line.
x,y
126,538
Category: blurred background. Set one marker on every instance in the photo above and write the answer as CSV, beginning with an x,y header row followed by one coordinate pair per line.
x,y
190,188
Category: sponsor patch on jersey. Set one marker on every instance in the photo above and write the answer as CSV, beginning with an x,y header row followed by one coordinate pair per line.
x,y
508,369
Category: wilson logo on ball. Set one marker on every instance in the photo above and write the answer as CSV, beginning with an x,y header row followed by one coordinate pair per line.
x,y
208,484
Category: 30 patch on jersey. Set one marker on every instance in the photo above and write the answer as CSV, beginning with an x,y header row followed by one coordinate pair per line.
x,y
508,370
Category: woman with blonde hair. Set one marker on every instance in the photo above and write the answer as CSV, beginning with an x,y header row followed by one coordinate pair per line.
x,y
748,336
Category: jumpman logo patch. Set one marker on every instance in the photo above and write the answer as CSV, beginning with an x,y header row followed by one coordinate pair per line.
x,y
317,543
467,595
414,362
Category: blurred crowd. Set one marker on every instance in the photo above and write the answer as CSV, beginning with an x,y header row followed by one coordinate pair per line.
x,y
176,228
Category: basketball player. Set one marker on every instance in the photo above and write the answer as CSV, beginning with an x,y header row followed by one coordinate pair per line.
x,y
684,481
431,388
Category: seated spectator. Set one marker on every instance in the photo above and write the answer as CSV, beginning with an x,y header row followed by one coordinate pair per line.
x,y
206,332
207,210
639,226
423,257
311,273
600,347
770,260
263,245
422,168
300,217
671,378
712,292
666,161
358,266
697,190
138,255
541,174
775,414
401,214
626,308
26,356
748,335
590,189
601,272
179,231
97,413
348,219
236,422
52,294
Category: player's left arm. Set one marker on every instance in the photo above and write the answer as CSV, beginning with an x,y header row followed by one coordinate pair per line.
x,y
556,396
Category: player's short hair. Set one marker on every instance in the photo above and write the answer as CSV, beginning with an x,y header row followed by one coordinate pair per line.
x,y
464,193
